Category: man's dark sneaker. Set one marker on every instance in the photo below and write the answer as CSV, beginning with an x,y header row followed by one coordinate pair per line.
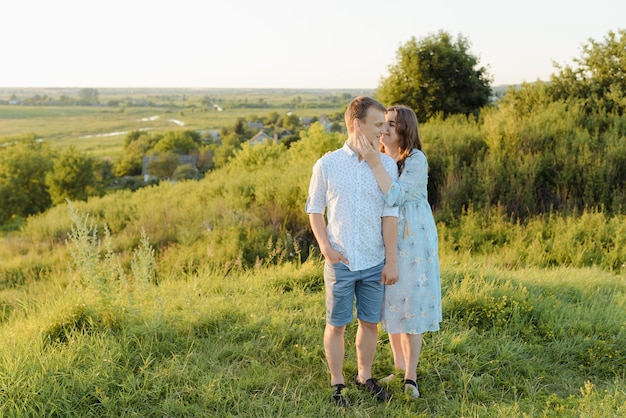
x,y
339,398
372,386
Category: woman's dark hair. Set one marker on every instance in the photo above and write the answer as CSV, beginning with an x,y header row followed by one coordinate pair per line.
x,y
407,128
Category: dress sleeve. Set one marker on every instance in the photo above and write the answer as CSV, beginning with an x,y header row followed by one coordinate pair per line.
x,y
414,178
392,170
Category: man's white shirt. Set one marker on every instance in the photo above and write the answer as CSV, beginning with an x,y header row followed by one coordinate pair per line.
x,y
347,190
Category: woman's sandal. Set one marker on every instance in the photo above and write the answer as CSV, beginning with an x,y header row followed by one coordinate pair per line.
x,y
410,388
388,379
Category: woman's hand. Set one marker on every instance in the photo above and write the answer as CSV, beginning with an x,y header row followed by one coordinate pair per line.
x,y
366,149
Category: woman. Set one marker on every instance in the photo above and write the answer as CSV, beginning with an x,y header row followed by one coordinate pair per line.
x,y
412,306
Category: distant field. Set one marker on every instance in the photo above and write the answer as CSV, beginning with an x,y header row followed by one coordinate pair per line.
x,y
100,130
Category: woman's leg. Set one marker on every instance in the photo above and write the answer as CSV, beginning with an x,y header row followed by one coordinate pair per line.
x,y
411,347
395,340
399,361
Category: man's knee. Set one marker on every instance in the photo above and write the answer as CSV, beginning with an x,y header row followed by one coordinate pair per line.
x,y
335,330
369,326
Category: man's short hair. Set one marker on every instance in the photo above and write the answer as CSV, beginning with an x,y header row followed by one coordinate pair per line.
x,y
357,109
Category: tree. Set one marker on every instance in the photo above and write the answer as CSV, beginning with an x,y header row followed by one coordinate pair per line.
x,y
240,126
253,157
224,152
72,177
104,176
186,172
179,142
163,165
87,96
436,74
23,168
290,122
599,80
205,158
132,159
271,119
132,136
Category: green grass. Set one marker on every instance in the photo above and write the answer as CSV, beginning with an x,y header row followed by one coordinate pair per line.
x,y
126,339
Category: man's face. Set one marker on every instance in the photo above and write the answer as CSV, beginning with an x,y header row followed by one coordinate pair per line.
x,y
374,124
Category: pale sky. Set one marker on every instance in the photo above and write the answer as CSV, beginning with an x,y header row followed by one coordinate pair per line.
x,y
325,44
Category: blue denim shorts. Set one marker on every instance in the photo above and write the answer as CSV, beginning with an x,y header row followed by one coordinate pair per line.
x,y
343,285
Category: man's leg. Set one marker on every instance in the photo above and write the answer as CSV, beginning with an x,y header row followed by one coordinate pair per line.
x,y
369,301
366,340
334,349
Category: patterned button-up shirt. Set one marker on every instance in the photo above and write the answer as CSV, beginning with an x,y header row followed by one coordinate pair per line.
x,y
347,189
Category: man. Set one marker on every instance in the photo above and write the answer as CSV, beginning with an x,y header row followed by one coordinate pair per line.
x,y
358,244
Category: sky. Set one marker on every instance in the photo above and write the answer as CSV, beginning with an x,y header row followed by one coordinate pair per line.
x,y
321,44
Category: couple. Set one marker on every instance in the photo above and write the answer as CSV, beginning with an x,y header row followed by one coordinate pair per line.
x,y
379,243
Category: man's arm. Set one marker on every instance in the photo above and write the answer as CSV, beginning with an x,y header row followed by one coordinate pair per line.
x,y
318,225
390,238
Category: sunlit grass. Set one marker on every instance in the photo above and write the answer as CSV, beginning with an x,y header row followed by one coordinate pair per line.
x,y
120,341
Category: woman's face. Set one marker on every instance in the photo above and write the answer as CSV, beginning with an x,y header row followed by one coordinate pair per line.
x,y
390,137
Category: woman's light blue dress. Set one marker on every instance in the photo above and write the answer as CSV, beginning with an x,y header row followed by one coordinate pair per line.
x,y
413,304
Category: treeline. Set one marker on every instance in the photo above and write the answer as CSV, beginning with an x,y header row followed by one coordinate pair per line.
x,y
543,148
35,176
529,155
165,148
85,96
193,100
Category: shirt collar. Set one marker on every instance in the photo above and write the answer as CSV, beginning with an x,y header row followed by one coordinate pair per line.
x,y
349,150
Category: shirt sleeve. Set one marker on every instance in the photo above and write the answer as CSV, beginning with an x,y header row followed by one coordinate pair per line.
x,y
414,178
316,200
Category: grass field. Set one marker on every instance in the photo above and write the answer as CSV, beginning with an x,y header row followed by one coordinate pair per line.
x,y
228,343
93,324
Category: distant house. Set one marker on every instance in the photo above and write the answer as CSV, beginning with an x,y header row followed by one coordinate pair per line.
x,y
147,159
260,138
255,125
306,122
325,121
284,133
212,135
215,135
